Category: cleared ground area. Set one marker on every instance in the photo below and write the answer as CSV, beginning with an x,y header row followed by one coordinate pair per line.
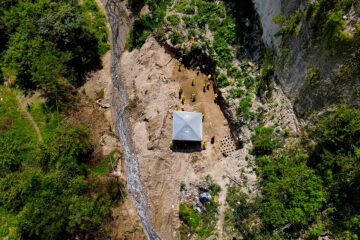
x,y
153,79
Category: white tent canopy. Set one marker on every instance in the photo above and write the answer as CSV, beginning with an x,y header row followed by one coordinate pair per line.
x,y
187,126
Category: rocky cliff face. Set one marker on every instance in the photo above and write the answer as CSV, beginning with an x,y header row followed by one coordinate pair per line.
x,y
311,74
267,10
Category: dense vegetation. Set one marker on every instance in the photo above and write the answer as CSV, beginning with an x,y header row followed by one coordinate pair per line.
x,y
306,189
49,189
147,23
46,41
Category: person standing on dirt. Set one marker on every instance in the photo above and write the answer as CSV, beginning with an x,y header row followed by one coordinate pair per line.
x,y
193,96
204,87
180,92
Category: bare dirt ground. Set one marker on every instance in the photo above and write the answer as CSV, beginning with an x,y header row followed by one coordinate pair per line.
x,y
96,114
153,80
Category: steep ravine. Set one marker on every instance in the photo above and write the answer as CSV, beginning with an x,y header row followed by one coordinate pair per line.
x,y
120,24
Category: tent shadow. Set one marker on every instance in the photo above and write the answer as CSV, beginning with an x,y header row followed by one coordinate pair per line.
x,y
186,146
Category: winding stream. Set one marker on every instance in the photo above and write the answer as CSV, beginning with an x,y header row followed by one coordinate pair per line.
x,y
120,24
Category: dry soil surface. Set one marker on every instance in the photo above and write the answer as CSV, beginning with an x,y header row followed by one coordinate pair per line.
x,y
97,115
153,79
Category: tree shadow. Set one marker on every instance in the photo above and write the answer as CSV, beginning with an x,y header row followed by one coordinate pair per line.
x,y
136,6
248,27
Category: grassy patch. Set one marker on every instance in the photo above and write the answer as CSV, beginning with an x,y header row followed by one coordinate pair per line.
x,y
106,166
7,224
18,139
45,117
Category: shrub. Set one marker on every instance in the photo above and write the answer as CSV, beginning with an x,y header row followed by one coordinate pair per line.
x,y
183,7
266,74
189,216
292,192
288,25
189,22
101,94
222,81
244,108
249,82
313,77
315,233
173,19
147,23
336,155
222,50
176,38
236,93
264,141
279,18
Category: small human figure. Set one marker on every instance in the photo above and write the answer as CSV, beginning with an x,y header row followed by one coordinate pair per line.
x,y
204,87
180,92
204,145
193,96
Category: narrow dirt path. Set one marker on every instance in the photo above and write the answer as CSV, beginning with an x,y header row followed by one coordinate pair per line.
x,y
23,108
222,208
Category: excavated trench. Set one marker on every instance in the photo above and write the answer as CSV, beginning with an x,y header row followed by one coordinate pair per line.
x,y
198,58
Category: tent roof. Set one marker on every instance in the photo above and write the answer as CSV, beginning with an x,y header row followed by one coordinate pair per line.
x,y
187,126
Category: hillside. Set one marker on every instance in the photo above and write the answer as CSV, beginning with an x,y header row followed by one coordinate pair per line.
x,y
60,177
286,78
88,91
